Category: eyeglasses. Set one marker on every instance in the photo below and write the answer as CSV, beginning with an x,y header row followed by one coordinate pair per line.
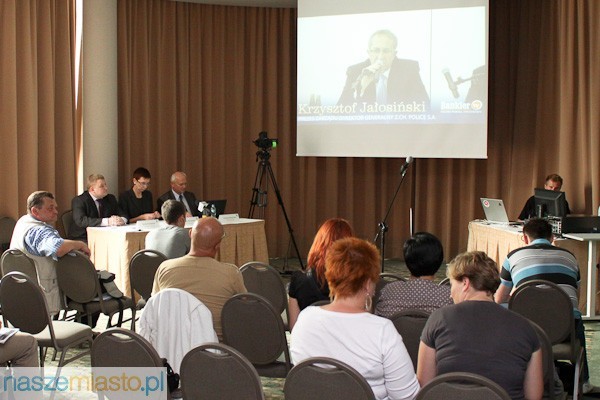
x,y
143,183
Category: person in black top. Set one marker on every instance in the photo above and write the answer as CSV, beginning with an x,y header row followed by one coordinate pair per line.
x,y
311,286
552,182
136,203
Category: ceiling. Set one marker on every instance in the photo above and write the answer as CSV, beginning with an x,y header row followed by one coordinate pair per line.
x,y
248,3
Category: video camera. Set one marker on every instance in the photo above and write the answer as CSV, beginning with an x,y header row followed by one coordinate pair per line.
x,y
263,142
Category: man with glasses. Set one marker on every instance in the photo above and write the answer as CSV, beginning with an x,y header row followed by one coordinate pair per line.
x,y
200,274
136,203
385,79
178,192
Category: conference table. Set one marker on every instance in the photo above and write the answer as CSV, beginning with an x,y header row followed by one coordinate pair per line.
x,y
112,247
498,240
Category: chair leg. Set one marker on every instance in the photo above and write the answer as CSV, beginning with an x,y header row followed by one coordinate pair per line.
x,y
133,318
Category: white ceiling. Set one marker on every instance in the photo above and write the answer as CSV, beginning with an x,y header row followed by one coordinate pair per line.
x,y
248,3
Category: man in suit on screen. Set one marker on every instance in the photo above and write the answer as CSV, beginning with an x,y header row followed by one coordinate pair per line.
x,y
385,78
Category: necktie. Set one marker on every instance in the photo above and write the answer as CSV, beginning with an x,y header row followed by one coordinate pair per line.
x,y
100,208
382,89
181,200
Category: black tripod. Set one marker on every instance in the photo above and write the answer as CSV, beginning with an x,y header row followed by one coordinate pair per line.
x,y
259,195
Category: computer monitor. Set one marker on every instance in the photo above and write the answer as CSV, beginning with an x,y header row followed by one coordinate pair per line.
x,y
552,203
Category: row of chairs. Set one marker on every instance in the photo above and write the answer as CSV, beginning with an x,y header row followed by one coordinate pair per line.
x,y
219,371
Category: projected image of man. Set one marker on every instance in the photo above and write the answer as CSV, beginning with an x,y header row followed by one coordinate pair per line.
x,y
385,79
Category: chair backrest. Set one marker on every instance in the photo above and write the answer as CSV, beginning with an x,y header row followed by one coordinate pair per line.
x,y
384,279
7,225
23,303
410,324
118,347
252,326
67,220
16,260
462,386
175,322
546,304
264,280
124,349
217,371
142,268
547,360
77,277
445,281
326,378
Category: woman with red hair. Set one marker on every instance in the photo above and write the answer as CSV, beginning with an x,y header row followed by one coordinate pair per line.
x,y
311,286
346,330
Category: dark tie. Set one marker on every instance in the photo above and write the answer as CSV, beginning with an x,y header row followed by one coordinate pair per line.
x,y
181,200
100,208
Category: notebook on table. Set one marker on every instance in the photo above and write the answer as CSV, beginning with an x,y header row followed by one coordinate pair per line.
x,y
495,212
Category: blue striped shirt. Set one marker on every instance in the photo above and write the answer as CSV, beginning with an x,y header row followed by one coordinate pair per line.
x,y
43,241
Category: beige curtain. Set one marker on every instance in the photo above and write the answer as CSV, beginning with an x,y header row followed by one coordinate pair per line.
x,y
37,112
197,83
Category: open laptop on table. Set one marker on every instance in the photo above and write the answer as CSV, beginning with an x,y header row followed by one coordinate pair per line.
x,y
495,212
219,205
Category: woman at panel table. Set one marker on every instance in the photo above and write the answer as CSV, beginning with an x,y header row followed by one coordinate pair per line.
x,y
307,288
477,335
346,330
136,203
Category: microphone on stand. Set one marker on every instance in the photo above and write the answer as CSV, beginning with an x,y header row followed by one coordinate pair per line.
x,y
451,84
404,167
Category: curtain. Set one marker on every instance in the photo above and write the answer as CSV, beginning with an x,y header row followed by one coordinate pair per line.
x,y
37,112
197,83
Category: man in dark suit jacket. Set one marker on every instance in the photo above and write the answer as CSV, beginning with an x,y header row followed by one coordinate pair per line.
x,y
94,207
384,78
178,192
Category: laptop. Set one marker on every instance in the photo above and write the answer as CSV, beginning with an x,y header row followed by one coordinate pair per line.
x,y
495,212
219,205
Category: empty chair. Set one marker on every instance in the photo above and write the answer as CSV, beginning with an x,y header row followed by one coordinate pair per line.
x,y
25,307
462,386
175,322
122,348
16,260
546,304
7,225
326,378
252,326
217,371
142,268
410,324
264,280
78,280
67,220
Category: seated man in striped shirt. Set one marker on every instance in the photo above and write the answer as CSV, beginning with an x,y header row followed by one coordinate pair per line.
x,y
539,259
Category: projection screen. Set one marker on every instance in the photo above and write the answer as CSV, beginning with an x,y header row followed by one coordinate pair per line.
x,y
392,78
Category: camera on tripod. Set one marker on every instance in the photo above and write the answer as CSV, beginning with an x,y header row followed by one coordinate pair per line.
x,y
264,142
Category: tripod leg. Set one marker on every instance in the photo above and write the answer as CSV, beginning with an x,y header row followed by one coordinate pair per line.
x,y
287,220
257,190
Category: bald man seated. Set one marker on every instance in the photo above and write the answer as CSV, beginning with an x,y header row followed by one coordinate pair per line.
x,y
178,192
210,281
